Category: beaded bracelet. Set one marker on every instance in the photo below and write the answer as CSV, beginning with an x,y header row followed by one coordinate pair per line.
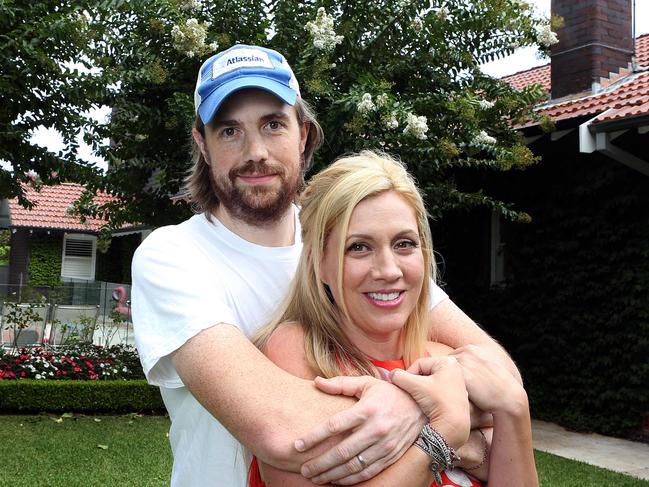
x,y
485,453
436,447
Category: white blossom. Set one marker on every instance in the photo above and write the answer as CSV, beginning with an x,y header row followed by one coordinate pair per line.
x,y
31,174
416,126
545,35
417,25
443,13
322,30
483,138
366,104
190,4
189,38
38,376
393,123
382,100
486,104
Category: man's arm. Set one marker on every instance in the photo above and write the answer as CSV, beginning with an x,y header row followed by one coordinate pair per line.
x,y
451,326
266,408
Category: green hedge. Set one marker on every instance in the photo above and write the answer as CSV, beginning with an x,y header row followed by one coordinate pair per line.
x,y
575,311
32,396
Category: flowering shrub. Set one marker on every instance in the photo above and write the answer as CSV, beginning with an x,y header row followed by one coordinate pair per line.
x,y
79,362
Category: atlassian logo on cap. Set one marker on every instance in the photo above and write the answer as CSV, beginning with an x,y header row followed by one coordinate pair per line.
x,y
241,58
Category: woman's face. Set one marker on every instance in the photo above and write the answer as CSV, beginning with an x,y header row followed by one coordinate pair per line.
x,y
383,272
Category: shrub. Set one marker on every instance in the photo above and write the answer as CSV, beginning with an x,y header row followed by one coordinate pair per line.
x,y
77,362
106,396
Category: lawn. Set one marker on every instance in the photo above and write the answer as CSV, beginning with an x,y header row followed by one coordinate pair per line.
x,y
131,450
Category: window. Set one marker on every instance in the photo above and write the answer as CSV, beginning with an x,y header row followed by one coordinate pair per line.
x,y
79,252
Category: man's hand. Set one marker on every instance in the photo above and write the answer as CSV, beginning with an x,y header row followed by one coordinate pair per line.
x,y
384,423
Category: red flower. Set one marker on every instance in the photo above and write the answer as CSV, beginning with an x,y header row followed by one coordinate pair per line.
x,y
23,374
77,369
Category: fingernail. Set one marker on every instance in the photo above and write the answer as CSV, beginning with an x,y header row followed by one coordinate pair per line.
x,y
299,445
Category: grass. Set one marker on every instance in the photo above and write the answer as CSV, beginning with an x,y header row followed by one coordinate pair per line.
x,y
84,451
131,450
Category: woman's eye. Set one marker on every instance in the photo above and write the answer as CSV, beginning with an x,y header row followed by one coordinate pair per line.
x,y
406,244
357,247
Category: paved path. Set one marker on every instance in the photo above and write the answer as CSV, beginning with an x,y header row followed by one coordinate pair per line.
x,y
627,457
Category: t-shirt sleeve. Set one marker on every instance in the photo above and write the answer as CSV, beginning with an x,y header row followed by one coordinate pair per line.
x,y
437,295
174,298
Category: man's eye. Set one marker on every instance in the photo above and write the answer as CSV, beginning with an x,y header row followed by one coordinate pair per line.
x,y
228,131
274,125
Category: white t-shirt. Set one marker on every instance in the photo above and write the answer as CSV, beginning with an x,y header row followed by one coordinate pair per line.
x,y
187,278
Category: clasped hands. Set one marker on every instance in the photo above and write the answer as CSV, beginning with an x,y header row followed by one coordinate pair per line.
x,y
386,420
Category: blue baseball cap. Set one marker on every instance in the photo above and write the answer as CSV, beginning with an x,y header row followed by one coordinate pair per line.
x,y
241,67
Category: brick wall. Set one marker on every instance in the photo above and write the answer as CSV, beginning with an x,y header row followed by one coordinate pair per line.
x,y
596,39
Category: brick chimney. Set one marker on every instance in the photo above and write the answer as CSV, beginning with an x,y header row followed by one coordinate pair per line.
x,y
596,39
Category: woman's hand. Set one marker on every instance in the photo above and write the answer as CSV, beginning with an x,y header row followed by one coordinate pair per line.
x,y
437,385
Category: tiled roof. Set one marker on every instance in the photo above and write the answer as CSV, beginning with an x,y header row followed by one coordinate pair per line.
x,y
50,208
623,95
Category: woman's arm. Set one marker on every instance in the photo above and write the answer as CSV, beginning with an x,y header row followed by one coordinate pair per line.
x,y
493,389
286,349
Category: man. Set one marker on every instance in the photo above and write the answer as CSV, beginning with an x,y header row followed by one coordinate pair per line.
x,y
201,289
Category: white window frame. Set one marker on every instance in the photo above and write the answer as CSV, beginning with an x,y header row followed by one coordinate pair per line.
x,y
93,257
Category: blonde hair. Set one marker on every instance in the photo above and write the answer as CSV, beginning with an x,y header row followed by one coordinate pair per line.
x,y
329,199
198,182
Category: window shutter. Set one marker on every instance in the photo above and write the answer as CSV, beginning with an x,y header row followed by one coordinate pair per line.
x,y
79,257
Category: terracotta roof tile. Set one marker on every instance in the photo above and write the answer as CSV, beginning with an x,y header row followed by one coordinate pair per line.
x,y
50,209
624,94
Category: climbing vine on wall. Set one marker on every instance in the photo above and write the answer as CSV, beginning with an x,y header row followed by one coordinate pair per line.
x,y
45,261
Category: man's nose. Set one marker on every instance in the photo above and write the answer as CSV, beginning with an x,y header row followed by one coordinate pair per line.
x,y
255,148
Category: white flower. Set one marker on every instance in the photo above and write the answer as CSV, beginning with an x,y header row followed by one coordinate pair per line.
x,y
382,100
417,25
416,126
51,373
38,376
322,30
125,369
393,123
189,38
443,13
190,4
545,35
31,174
366,104
483,138
486,104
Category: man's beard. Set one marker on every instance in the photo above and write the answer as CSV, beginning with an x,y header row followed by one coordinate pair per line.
x,y
257,205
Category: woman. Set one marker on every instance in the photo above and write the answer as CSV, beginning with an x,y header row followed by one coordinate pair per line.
x,y
357,307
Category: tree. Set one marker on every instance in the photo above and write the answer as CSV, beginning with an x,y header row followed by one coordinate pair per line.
x,y
401,75
44,81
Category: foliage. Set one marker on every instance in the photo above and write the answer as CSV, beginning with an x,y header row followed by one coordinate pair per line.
x,y
75,362
5,248
399,75
575,311
44,81
64,451
45,261
17,317
112,396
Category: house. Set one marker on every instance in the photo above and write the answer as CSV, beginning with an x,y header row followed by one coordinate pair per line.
x,y
568,293
50,246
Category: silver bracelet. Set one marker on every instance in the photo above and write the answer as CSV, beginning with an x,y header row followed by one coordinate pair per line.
x,y
436,447
485,453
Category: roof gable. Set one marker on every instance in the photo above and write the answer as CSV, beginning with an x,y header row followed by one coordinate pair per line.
x,y
622,96
50,209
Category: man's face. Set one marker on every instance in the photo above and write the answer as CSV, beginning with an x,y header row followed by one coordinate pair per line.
x,y
255,148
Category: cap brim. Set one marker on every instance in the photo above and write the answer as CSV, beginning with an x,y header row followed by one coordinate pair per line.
x,y
211,104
